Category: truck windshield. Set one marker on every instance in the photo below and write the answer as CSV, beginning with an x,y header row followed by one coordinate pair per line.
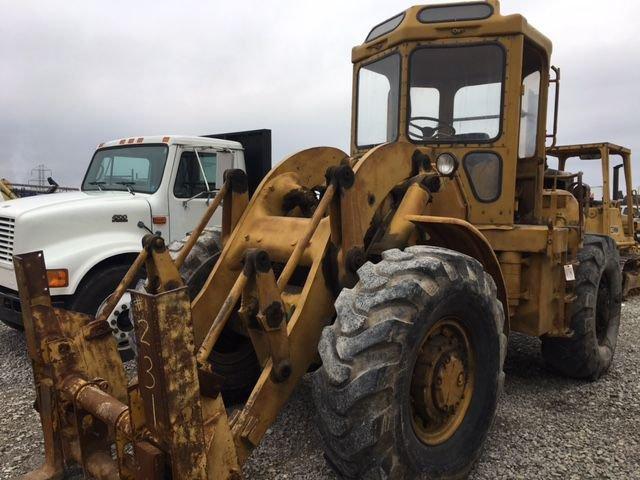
x,y
137,168
455,94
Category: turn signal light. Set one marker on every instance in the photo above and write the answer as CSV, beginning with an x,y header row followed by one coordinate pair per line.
x,y
58,278
159,220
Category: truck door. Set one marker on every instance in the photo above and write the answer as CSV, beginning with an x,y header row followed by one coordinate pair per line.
x,y
197,180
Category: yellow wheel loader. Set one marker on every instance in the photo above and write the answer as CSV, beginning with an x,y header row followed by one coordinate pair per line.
x,y
394,273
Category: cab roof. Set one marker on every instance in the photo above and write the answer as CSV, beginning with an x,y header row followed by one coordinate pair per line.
x,y
187,140
586,149
410,28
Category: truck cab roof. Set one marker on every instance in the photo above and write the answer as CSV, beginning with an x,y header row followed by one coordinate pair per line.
x,y
188,140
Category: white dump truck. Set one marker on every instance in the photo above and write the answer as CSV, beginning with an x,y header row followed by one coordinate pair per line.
x,y
132,186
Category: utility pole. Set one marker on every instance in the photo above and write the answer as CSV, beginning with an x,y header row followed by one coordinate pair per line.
x,y
39,175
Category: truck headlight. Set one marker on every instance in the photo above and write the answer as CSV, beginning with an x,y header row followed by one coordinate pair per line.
x,y
446,164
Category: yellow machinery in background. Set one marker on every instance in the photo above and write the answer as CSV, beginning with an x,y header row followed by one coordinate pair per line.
x,y
5,190
613,212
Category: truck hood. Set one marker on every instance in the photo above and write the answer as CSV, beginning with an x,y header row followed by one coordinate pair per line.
x,y
68,200
73,225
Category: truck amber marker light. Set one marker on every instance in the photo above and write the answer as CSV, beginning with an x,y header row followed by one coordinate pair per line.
x,y
58,278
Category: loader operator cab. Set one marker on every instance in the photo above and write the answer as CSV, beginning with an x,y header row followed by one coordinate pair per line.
x,y
468,86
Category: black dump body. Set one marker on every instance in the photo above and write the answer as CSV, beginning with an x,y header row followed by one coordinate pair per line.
x,y
257,152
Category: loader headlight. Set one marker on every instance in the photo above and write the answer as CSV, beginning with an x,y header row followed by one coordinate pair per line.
x,y
446,164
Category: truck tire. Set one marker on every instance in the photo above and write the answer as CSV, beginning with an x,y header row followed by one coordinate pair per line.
x,y
93,293
412,367
194,272
594,315
233,356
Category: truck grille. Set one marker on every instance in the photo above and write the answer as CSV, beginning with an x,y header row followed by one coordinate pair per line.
x,y
7,229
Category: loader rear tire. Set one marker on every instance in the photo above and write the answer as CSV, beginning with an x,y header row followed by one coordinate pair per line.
x,y
208,245
595,314
412,367
233,356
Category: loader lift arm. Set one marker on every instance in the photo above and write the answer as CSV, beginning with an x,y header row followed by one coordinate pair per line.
x,y
173,416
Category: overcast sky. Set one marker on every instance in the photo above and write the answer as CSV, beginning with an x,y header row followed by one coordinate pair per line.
x,y
76,73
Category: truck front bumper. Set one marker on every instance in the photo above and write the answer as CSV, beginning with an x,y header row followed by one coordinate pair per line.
x,y
10,311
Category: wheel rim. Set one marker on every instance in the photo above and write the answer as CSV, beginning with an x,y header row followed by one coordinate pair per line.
x,y
120,320
442,382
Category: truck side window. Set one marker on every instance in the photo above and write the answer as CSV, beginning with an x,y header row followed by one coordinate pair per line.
x,y
189,179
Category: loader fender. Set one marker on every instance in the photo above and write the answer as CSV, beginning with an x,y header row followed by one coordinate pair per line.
x,y
461,236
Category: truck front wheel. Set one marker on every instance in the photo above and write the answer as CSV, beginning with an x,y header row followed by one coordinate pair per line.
x,y
93,293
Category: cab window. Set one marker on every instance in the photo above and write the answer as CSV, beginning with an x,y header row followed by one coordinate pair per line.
x,y
138,168
378,101
191,179
530,102
455,94
484,171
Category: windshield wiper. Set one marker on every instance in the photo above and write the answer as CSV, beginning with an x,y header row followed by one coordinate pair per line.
x,y
127,185
98,184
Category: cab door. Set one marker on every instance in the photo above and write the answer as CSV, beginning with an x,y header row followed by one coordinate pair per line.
x,y
196,182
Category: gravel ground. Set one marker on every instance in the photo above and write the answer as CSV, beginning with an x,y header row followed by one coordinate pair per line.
x,y
547,426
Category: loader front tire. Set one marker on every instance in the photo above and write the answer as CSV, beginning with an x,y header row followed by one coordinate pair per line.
x,y
595,314
412,367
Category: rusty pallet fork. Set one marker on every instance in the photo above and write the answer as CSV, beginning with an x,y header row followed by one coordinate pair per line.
x,y
89,415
